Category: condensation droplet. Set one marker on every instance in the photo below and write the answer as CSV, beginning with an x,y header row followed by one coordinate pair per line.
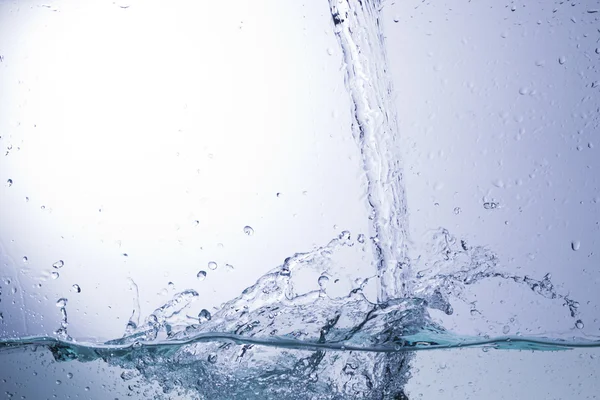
x,y
457,210
248,230
75,288
212,358
360,238
54,275
229,267
323,280
212,265
575,245
70,375
204,315
25,259
562,60
506,329
62,302
490,205
9,182
579,324
59,264
524,91
201,275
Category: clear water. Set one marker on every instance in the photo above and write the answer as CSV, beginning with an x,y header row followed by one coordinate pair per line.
x,y
275,340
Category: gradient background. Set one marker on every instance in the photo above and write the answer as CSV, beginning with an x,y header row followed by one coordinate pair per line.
x,y
130,121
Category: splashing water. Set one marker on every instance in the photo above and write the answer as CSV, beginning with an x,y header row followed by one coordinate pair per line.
x,y
274,340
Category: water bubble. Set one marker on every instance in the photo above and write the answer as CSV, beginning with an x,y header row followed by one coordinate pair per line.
x,y
204,315
360,238
212,265
457,210
9,182
201,275
54,275
248,230
75,288
490,205
579,324
323,280
59,264
212,358
575,245
62,302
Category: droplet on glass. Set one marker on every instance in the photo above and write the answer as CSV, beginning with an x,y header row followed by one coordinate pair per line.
x,y
579,324
396,19
212,358
575,245
562,60
54,275
360,238
212,265
457,210
201,275
70,375
490,205
9,182
248,230
25,259
59,264
323,280
506,329
62,302
76,289
524,91
204,315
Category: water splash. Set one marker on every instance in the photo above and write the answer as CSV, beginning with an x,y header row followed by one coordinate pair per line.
x,y
275,340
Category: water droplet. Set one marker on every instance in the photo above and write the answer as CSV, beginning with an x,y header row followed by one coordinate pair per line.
x,y
59,264
25,259
54,275
562,60
75,288
490,205
457,210
360,238
204,315
579,324
26,199
58,382
279,194
196,223
62,302
396,19
323,280
575,245
597,50
506,329
201,275
9,182
248,230
229,267
212,358
70,375
524,91
212,265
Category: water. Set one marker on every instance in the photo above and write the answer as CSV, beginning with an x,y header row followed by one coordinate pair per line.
x,y
274,340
